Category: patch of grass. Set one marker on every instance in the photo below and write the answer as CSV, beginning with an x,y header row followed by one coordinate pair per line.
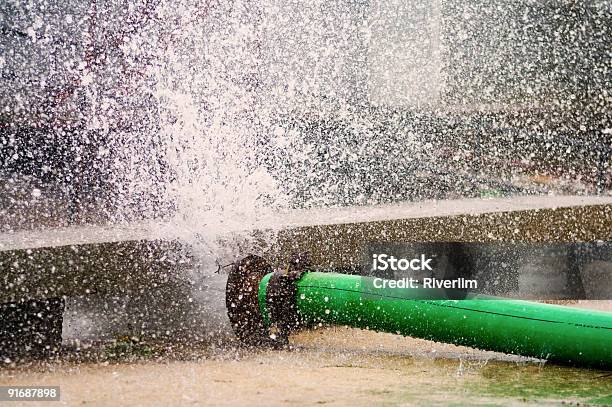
x,y
549,382
128,347
491,193
603,401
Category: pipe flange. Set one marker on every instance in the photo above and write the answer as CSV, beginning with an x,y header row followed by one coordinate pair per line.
x,y
242,302
281,295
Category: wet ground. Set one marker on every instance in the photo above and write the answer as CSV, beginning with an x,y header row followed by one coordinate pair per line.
x,y
328,366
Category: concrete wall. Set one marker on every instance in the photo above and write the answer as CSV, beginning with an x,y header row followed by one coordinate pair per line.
x,y
131,265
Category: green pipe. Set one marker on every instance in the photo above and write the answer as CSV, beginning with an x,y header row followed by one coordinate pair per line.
x,y
556,333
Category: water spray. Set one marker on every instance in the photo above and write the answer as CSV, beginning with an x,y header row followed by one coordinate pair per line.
x,y
265,306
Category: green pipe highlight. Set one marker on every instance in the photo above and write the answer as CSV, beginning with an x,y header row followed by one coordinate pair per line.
x,y
557,333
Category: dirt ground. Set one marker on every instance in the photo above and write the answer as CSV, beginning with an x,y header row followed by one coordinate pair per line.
x,y
329,366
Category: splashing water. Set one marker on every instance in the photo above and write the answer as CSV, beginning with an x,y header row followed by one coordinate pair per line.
x,y
219,111
210,120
